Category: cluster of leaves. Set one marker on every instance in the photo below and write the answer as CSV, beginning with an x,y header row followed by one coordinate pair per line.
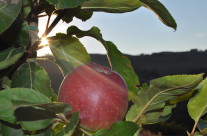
x,y
28,104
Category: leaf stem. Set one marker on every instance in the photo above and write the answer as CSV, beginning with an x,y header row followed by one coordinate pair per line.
x,y
193,130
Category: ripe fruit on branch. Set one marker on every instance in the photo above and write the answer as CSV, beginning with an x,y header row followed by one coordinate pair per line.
x,y
98,93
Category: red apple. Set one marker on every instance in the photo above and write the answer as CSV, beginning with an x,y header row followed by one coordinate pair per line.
x,y
98,93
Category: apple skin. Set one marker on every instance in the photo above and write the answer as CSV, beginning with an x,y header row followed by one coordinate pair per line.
x,y
98,93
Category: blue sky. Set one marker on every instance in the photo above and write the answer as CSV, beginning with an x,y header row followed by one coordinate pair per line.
x,y
141,31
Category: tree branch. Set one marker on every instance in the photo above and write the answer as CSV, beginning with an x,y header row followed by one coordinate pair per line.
x,y
33,48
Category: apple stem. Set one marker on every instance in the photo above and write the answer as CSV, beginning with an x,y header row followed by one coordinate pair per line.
x,y
85,132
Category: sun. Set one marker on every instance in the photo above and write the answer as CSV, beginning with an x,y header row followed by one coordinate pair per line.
x,y
44,41
44,51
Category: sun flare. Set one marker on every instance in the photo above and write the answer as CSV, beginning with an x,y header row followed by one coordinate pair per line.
x,y
44,41
45,50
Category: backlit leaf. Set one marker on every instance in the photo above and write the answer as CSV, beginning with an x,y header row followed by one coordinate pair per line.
x,y
161,90
160,10
69,52
31,75
197,105
8,13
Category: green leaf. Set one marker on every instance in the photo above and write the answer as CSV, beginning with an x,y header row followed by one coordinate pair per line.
x,y
24,37
35,125
124,128
162,90
197,105
31,75
114,6
9,56
27,6
11,97
8,13
68,130
119,62
10,131
63,4
160,10
150,117
69,52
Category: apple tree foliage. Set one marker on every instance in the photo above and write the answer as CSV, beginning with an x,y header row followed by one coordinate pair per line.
x,y
28,104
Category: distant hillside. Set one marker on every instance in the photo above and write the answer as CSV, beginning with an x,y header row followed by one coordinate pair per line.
x,y
165,63
147,67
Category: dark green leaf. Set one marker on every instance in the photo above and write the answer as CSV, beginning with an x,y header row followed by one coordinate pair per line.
x,y
23,37
11,98
195,111
84,15
8,13
11,35
9,56
69,14
40,114
63,4
162,90
119,129
114,6
160,10
51,108
202,124
117,60
68,130
69,52
31,75
49,8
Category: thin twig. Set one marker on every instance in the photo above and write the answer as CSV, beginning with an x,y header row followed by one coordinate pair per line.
x,y
47,25
42,15
33,48
42,46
